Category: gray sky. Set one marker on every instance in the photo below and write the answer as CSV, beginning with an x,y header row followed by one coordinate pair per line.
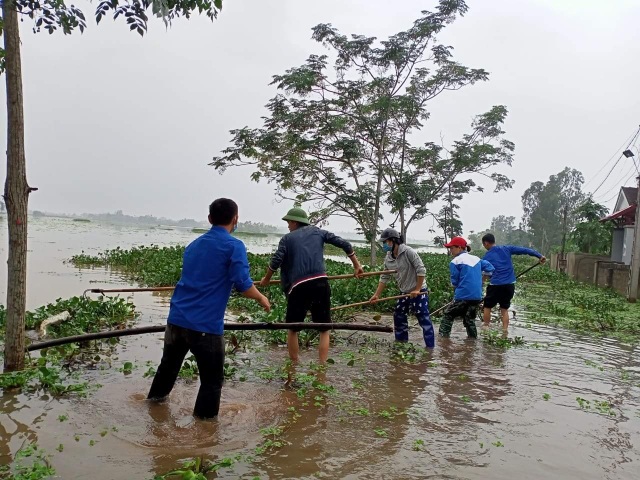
x,y
115,121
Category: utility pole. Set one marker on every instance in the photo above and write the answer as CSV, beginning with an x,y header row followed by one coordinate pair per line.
x,y
563,258
634,272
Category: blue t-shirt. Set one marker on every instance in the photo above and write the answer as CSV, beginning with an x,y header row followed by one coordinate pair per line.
x,y
500,257
213,264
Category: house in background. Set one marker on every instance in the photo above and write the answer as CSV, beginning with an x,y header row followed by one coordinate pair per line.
x,y
623,219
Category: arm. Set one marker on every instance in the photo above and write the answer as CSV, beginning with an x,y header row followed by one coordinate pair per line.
x,y
416,261
419,282
376,296
254,294
382,284
339,242
239,273
515,250
487,270
276,261
455,274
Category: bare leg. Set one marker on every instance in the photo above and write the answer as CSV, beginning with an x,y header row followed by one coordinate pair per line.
x,y
486,317
504,313
292,345
323,349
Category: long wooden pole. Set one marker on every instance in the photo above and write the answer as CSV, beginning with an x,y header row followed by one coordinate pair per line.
x,y
341,307
227,326
272,282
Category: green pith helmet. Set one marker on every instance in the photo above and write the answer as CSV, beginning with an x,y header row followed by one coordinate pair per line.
x,y
297,214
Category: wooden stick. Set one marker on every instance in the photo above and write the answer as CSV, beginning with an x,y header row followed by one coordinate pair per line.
x,y
271,282
368,303
227,326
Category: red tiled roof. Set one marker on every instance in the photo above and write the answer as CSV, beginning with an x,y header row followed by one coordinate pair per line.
x,y
630,212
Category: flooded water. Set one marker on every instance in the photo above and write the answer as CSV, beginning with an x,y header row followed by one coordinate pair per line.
x,y
468,410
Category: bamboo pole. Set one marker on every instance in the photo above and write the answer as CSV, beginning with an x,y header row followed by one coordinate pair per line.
x,y
227,326
271,282
341,307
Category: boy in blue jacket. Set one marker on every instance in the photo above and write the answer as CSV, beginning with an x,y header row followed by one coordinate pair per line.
x,y
466,277
503,281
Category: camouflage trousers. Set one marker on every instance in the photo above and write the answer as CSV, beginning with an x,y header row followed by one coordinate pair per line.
x,y
465,309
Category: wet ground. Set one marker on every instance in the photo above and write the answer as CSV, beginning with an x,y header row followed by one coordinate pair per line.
x,y
468,410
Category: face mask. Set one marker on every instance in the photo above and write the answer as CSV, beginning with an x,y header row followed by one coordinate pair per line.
x,y
386,247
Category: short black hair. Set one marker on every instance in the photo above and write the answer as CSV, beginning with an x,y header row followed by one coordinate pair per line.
x,y
489,238
222,211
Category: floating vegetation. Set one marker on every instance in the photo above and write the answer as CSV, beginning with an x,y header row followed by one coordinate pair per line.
x,y
29,463
85,315
83,220
497,339
199,230
553,298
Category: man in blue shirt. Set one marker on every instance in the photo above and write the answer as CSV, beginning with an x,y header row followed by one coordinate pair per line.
x,y
213,264
466,277
300,258
503,281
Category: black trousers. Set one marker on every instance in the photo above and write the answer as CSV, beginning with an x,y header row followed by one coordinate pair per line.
x,y
208,349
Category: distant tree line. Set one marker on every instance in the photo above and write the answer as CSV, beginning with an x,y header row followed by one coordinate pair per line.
x,y
558,217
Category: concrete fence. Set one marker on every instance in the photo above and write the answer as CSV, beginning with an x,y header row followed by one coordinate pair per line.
x,y
594,269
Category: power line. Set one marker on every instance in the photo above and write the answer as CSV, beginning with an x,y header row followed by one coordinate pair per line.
x,y
608,161
615,164
616,185
618,192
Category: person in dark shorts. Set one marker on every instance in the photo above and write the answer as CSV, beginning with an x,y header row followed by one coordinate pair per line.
x,y
466,272
300,258
502,286
213,264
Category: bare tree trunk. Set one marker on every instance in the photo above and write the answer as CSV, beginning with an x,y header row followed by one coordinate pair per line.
x,y
376,212
16,195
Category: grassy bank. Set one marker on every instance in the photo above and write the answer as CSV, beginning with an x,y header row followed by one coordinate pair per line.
x,y
553,298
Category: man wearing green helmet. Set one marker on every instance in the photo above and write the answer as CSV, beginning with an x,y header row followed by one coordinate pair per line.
x,y
300,257
409,276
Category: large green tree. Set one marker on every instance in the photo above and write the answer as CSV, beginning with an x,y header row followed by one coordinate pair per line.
x,y
550,208
51,15
337,133
590,235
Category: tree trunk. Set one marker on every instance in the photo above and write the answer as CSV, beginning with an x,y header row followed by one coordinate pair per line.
x,y
376,213
16,196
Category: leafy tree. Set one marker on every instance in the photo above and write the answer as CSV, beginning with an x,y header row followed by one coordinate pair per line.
x,y
51,15
590,235
502,227
550,208
337,133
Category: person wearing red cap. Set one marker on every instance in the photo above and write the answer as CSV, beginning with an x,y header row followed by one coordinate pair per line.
x,y
466,277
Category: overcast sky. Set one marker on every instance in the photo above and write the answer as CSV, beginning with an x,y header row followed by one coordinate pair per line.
x,y
119,122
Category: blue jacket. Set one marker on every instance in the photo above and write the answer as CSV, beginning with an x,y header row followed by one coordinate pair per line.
x,y
213,263
300,255
466,276
500,257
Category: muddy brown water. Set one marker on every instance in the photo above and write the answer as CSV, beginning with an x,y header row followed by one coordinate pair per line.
x,y
469,410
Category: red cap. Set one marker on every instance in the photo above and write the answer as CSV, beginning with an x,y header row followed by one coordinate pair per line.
x,y
457,242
